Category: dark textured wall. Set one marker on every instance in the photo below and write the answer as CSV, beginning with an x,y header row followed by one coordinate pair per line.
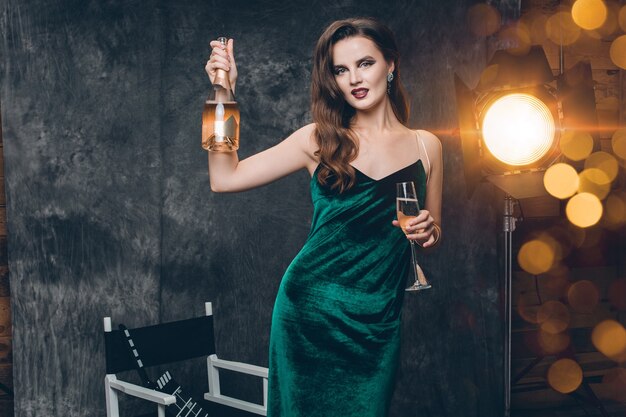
x,y
110,211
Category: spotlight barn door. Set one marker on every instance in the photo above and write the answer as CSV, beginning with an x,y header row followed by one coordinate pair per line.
x,y
470,136
578,99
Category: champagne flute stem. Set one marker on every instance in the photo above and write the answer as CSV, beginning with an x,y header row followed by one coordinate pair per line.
x,y
414,261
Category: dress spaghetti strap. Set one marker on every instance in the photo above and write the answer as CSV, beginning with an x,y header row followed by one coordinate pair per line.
x,y
419,139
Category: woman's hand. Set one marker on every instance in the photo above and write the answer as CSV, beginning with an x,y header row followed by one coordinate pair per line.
x,y
222,57
420,229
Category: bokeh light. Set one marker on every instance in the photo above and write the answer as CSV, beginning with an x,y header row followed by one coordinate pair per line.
x,y
622,18
561,28
589,14
617,294
594,181
610,25
583,296
584,210
536,257
565,376
618,51
553,317
618,142
527,308
555,246
609,337
614,384
576,145
561,180
605,162
552,344
535,22
615,210
483,19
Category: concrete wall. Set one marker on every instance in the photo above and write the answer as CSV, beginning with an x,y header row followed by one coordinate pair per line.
x,y
110,212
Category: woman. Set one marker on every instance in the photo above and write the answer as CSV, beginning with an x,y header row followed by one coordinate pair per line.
x,y
335,333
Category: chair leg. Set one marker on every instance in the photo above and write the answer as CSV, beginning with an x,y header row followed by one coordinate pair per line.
x,y
161,410
214,376
113,409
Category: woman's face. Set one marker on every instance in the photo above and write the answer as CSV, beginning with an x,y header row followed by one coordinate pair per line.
x,y
361,72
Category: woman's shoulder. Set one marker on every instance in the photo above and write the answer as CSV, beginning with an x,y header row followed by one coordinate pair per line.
x,y
305,135
427,136
305,138
430,140
308,130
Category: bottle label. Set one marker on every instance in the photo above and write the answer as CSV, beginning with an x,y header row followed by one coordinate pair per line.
x,y
223,130
230,127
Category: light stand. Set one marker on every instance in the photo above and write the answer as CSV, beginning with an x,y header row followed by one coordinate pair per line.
x,y
508,227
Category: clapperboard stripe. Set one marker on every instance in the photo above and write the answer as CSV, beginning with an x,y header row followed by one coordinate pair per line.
x,y
165,384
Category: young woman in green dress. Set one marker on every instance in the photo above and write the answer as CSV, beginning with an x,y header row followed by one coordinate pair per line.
x,y
335,333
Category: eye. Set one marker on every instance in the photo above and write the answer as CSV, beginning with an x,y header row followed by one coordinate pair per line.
x,y
367,64
339,71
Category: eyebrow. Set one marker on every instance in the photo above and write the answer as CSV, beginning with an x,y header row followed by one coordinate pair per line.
x,y
365,58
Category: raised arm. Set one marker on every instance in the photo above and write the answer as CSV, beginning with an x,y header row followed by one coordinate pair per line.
x,y
227,174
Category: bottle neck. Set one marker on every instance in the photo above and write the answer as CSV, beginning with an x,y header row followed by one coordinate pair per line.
x,y
223,90
221,78
223,94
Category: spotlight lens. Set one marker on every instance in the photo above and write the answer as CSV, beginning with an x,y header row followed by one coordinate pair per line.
x,y
518,129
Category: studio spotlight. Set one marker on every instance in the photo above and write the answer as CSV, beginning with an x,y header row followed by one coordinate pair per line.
x,y
510,128
512,122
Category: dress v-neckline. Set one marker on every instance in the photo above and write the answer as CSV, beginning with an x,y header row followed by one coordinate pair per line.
x,y
419,161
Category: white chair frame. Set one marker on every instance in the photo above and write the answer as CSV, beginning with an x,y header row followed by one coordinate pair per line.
x,y
114,386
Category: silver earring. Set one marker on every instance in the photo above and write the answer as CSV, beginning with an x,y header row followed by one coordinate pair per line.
x,y
389,80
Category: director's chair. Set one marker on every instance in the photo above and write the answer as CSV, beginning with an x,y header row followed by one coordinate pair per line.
x,y
165,343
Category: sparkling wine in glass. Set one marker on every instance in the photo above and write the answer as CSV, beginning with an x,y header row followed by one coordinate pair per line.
x,y
408,208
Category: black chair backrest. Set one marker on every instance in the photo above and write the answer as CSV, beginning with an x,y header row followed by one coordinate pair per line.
x,y
163,343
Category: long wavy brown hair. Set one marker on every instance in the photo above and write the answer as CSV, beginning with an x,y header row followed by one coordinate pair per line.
x,y
337,144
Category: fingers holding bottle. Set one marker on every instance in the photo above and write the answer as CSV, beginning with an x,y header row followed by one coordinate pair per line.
x,y
222,57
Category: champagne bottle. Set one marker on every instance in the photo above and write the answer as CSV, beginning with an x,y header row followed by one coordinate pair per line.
x,y
220,118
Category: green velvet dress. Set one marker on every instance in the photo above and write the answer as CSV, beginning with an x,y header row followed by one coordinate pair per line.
x,y
335,335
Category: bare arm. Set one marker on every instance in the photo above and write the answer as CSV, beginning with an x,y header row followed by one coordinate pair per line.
x,y
422,229
435,181
228,174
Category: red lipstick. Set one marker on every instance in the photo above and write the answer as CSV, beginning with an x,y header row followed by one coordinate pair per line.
x,y
359,92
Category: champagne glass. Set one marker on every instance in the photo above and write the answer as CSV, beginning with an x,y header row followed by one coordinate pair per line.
x,y
408,208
